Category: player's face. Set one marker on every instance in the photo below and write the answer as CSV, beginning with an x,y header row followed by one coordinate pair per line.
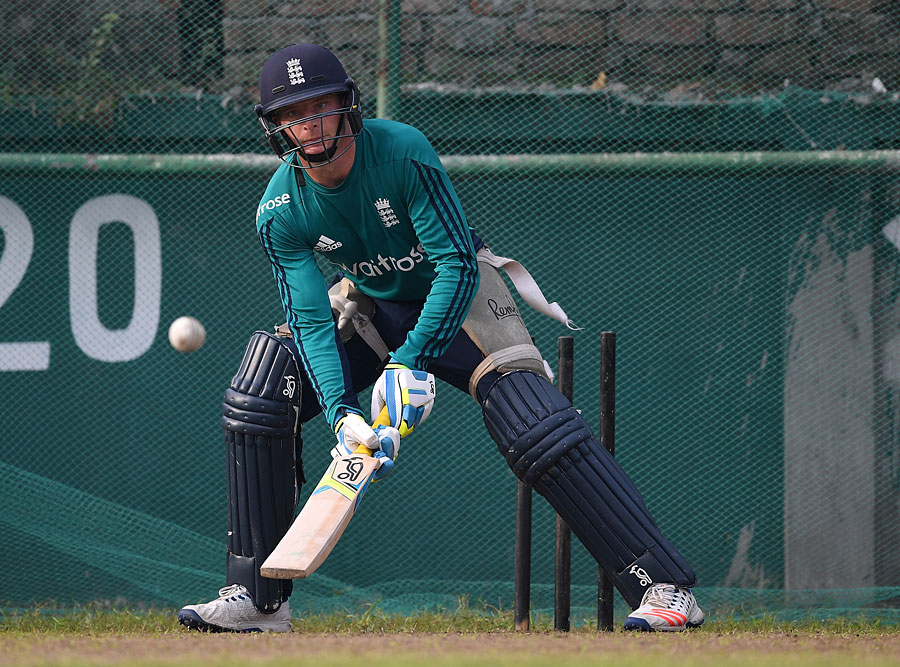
x,y
315,130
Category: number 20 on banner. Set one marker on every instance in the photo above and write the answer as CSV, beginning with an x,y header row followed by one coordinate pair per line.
x,y
92,337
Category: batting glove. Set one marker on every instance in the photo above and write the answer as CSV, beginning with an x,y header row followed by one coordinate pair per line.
x,y
408,396
389,440
353,431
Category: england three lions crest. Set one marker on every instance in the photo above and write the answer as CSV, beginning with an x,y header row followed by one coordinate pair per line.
x,y
295,71
385,212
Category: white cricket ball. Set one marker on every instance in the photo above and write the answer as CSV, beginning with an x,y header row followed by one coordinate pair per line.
x,y
187,334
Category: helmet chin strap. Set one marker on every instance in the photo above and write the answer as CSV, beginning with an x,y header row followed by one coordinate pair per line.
x,y
324,156
328,153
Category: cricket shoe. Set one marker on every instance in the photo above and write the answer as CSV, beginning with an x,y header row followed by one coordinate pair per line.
x,y
234,611
666,608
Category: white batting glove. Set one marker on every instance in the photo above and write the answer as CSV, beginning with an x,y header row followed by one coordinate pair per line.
x,y
408,396
353,431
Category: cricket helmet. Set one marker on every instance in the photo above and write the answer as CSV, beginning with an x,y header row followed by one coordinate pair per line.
x,y
300,72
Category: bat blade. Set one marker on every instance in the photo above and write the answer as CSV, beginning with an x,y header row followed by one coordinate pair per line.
x,y
322,520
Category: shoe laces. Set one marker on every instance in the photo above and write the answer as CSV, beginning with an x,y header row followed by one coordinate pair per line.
x,y
232,590
662,595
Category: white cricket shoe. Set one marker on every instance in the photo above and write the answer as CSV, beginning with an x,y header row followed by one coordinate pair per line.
x,y
234,611
667,608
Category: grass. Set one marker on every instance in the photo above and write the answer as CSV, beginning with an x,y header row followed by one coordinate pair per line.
x,y
99,619
95,634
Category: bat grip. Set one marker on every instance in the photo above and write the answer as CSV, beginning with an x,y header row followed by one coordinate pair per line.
x,y
382,420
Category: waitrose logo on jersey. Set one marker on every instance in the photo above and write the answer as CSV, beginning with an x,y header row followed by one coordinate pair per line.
x,y
272,204
381,265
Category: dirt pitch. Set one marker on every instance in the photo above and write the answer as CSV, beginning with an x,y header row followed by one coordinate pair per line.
x,y
619,649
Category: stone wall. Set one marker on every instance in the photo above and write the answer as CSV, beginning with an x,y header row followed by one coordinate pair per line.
x,y
741,45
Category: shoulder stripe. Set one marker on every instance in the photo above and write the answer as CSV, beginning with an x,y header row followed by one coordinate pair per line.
x,y
307,366
265,237
452,220
348,396
462,242
431,350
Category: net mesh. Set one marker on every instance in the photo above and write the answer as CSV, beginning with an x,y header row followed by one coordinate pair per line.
x,y
713,180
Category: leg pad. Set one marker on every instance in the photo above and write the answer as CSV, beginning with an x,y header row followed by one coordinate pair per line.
x,y
550,447
260,419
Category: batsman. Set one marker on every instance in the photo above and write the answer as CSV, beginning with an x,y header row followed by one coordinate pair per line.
x,y
418,295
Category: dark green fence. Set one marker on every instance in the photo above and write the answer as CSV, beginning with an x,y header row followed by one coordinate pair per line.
x,y
755,332
715,180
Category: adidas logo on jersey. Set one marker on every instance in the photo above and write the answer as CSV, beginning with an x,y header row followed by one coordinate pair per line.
x,y
326,244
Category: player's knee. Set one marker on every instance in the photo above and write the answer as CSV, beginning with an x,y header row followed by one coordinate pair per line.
x,y
505,342
264,396
533,424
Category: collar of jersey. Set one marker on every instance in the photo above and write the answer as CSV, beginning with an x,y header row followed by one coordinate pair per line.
x,y
351,177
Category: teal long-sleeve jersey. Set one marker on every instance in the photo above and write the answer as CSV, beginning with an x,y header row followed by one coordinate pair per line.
x,y
396,228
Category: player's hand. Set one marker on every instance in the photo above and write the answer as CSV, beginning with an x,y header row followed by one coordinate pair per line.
x,y
408,396
353,431
389,440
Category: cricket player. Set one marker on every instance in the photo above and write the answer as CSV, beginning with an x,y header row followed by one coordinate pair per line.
x,y
419,296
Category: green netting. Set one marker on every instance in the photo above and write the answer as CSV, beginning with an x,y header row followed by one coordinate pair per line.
x,y
713,180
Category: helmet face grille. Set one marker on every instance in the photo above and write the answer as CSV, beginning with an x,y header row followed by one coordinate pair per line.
x,y
300,72
281,143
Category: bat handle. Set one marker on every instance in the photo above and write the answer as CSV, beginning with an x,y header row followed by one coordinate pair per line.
x,y
382,420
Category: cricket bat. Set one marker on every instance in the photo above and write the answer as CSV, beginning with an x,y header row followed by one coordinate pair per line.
x,y
325,515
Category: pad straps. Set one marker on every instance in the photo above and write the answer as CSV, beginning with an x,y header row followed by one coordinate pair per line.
x,y
526,286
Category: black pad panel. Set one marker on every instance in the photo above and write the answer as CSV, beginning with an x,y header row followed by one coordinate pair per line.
x,y
549,446
260,418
